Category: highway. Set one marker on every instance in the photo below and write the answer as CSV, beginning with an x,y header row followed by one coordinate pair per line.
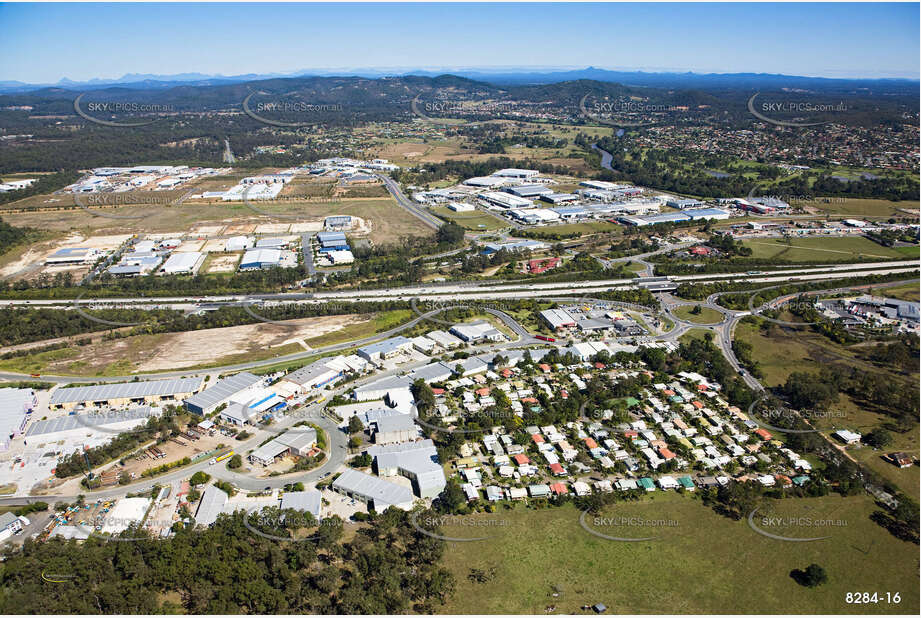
x,y
484,290
337,448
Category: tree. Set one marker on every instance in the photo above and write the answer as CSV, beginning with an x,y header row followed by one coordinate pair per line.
x,y
235,462
355,425
450,234
813,576
199,478
879,438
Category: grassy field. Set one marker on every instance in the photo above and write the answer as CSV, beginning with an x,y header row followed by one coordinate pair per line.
x,y
379,323
857,207
700,563
846,249
783,351
388,221
694,333
587,227
910,291
635,267
706,315
477,220
128,355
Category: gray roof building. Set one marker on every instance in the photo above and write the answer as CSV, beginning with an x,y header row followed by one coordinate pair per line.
x,y
125,390
221,392
306,501
378,493
211,505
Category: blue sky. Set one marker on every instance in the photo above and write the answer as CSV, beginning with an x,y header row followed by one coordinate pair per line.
x,y
46,42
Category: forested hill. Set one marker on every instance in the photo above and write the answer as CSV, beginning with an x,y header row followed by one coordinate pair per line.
x,y
387,567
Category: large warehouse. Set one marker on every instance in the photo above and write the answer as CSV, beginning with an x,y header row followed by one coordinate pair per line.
x,y
73,427
183,263
15,406
256,259
377,493
125,393
222,391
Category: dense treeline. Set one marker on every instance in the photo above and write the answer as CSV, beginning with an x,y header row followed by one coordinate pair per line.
x,y
46,183
876,391
10,236
664,170
387,567
456,168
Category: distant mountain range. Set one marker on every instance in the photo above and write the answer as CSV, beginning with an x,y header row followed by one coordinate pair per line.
x,y
503,77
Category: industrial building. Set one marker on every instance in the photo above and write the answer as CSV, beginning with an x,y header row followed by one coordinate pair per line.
x,y
340,257
223,391
395,428
460,207
534,216
529,191
682,204
388,348
304,501
332,241
485,181
125,393
558,318
513,172
559,198
337,223
298,442
377,493
16,404
74,427
519,245
245,406
324,372
379,389
506,200
476,332
417,461
183,263
445,340
71,256
238,243
212,503
256,259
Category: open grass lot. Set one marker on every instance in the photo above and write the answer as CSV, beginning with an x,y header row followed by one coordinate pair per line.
x,y
911,291
783,351
587,227
694,333
389,222
842,249
859,207
476,220
203,348
703,563
706,315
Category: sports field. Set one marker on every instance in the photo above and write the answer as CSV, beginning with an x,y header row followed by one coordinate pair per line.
x,y
542,561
